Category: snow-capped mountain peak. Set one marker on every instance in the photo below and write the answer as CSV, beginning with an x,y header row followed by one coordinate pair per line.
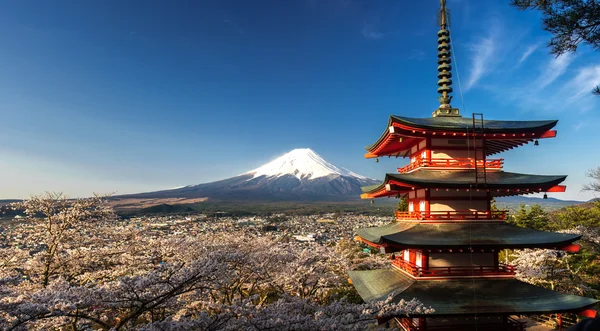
x,y
302,163
299,175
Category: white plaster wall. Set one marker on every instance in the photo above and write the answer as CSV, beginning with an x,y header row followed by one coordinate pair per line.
x,y
460,259
453,193
451,205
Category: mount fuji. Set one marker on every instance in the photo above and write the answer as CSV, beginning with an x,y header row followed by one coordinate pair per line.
x,y
298,175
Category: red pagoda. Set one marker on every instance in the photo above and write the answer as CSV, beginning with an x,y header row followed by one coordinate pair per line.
x,y
445,248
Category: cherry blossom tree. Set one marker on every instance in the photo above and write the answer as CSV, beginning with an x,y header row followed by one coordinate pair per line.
x,y
79,267
556,269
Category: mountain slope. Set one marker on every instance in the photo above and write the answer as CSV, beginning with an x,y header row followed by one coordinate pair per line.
x,y
299,175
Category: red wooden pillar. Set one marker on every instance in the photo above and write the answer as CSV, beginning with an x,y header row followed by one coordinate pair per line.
x,y
496,260
559,321
428,147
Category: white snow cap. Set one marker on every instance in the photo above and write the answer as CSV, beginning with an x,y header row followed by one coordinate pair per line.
x,y
303,163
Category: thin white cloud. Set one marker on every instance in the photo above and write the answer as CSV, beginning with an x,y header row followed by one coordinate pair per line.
x,y
483,51
554,69
527,53
417,54
583,83
370,31
570,92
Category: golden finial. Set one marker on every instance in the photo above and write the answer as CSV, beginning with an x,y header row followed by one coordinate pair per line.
x,y
443,14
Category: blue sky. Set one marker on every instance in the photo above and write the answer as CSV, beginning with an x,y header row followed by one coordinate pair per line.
x,y
130,96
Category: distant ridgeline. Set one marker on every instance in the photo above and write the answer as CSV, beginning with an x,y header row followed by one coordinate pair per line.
x,y
514,203
7,211
225,209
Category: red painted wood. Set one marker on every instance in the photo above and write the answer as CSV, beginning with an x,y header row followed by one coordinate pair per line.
x,y
591,313
452,215
391,143
455,163
557,188
372,244
573,248
453,271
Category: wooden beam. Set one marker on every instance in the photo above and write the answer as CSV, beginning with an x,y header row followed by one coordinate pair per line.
x,y
557,188
573,248
548,134
591,313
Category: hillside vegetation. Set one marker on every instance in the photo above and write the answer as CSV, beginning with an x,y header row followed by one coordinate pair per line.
x,y
571,273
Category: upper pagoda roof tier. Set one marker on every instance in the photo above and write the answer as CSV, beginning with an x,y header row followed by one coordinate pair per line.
x,y
499,183
401,235
404,132
466,296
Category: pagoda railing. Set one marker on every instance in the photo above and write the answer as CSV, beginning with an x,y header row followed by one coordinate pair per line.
x,y
416,271
509,324
452,215
456,163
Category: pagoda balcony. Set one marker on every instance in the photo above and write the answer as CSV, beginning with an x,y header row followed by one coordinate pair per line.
x,y
454,271
507,324
451,215
457,163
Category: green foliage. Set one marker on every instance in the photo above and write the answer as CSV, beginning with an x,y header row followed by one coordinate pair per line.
x,y
571,22
583,266
533,217
573,216
403,204
493,206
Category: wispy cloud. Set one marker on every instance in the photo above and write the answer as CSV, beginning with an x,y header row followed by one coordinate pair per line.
x,y
583,83
370,31
527,53
573,94
554,69
417,54
483,50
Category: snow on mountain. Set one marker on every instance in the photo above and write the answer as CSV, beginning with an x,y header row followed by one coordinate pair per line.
x,y
302,163
299,175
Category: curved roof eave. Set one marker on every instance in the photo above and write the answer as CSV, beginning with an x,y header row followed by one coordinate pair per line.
x,y
460,124
496,295
464,178
463,123
472,234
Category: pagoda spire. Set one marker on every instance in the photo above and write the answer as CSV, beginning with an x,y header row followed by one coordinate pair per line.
x,y
444,65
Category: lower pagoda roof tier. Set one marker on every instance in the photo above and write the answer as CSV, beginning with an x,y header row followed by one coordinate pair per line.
x,y
500,183
482,296
404,132
479,234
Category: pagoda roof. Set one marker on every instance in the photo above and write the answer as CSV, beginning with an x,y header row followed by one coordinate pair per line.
x,y
478,234
500,135
461,124
466,296
456,179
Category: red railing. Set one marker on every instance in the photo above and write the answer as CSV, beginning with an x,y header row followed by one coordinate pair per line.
x,y
457,163
452,215
509,324
413,269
